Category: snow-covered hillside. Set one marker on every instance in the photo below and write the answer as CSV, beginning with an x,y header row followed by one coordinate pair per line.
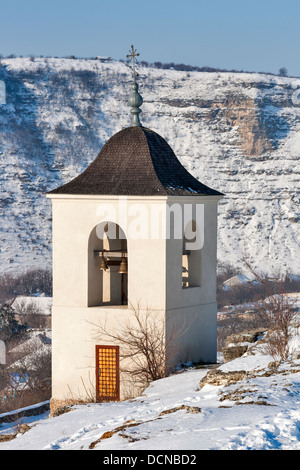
x,y
259,412
238,133
248,403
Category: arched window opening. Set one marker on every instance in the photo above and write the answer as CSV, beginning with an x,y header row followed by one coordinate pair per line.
x,y
185,266
191,258
108,267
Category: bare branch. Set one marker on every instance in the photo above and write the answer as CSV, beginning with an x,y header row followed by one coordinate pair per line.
x,y
144,347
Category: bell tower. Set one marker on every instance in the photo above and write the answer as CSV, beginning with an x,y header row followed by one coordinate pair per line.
x,y
134,229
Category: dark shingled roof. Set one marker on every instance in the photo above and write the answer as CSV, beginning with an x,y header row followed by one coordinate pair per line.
x,y
136,162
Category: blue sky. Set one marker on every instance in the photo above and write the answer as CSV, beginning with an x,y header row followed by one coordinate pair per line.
x,y
234,34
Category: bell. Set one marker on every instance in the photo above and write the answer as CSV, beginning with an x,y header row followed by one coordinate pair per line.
x,y
123,266
103,265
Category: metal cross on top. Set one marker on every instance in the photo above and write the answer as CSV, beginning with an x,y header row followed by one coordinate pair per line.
x,y
135,100
133,55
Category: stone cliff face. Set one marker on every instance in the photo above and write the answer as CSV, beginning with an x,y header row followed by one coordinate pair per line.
x,y
255,132
259,126
238,133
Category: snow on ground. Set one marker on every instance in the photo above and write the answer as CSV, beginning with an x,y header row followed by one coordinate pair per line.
x,y
258,413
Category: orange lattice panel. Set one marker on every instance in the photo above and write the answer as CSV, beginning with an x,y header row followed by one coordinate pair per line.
x,y
107,373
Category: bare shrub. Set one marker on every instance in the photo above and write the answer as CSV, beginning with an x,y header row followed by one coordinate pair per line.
x,y
144,348
28,380
28,283
277,310
237,294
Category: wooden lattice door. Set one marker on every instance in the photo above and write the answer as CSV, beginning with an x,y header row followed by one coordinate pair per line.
x,y
107,373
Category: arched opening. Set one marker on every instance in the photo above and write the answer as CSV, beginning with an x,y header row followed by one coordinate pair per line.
x,y
108,266
191,256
